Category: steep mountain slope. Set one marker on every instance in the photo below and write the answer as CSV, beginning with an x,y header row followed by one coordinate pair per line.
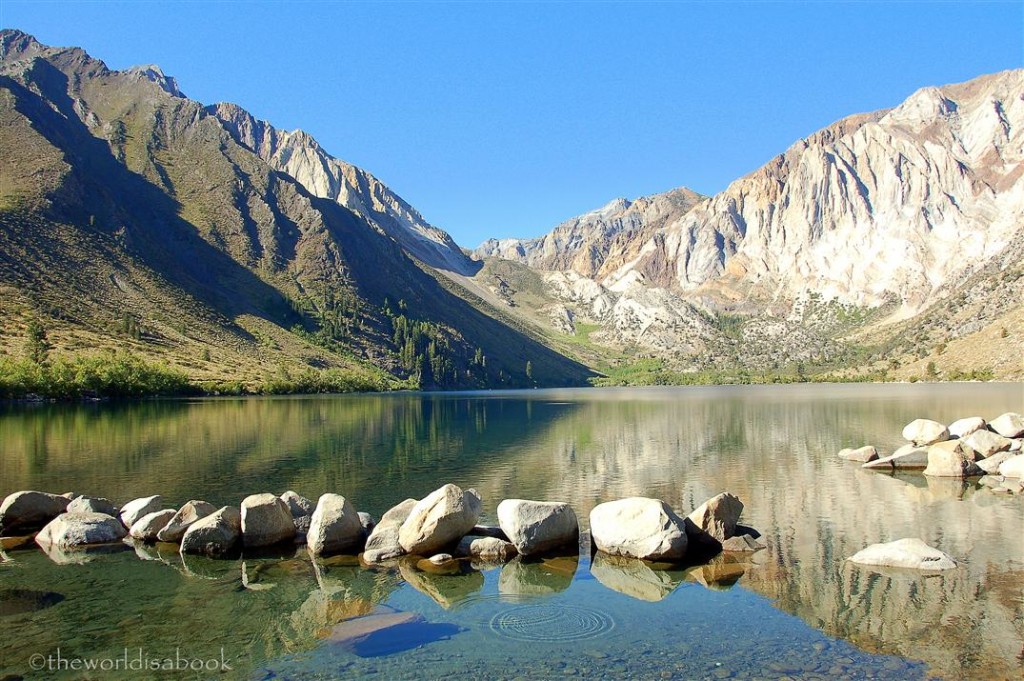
x,y
125,206
598,241
876,219
897,203
299,155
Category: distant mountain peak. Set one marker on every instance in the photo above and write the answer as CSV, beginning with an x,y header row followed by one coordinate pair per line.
x,y
155,74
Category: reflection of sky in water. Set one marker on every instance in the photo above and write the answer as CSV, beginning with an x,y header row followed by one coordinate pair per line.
x,y
772,446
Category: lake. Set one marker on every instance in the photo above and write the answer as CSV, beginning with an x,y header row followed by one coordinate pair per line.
x,y
796,609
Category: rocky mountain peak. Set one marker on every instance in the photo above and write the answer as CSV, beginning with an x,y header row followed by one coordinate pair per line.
x,y
155,74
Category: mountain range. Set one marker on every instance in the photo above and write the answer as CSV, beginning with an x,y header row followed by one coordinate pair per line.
x,y
134,217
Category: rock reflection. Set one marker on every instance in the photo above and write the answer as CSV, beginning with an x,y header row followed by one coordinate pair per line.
x,y
533,578
636,578
447,590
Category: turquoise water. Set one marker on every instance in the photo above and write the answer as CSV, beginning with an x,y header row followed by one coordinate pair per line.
x,y
794,610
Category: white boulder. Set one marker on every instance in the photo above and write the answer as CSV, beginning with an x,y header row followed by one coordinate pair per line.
x,y
441,518
538,526
334,526
638,527
904,553
266,520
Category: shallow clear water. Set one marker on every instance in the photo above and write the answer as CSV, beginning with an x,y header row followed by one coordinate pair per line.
x,y
796,609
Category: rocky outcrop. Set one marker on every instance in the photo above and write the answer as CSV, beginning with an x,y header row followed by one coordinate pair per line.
x,y
71,530
214,535
638,527
29,510
904,553
136,508
538,526
334,527
188,514
266,520
441,518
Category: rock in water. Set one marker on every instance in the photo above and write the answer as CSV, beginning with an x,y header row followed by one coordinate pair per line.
x,y
334,527
382,544
148,526
925,432
1010,424
638,527
301,509
29,510
486,548
441,518
904,553
214,535
266,521
367,521
861,455
991,464
85,504
907,456
538,526
951,459
136,508
69,530
718,516
986,443
189,513
964,427
1012,467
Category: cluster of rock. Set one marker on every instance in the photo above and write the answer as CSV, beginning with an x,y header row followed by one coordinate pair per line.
x,y
968,447
440,528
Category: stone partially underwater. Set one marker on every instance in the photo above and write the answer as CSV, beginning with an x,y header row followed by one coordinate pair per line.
x,y
640,547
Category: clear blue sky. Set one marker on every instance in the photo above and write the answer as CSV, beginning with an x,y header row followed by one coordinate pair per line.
x,y
504,118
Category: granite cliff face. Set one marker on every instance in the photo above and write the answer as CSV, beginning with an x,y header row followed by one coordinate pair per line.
x,y
599,241
881,216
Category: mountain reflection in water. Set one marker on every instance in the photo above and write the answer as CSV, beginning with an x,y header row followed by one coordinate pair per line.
x,y
774,447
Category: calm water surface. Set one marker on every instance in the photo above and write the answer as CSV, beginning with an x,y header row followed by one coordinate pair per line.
x,y
796,609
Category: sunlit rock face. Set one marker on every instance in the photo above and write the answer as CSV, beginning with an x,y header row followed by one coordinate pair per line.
x,y
299,155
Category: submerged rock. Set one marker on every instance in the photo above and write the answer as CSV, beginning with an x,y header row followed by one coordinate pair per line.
x,y
441,518
907,456
136,508
148,526
214,535
904,553
538,526
743,543
70,530
29,510
486,548
1010,424
20,601
266,521
638,527
925,432
334,527
861,455
189,513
